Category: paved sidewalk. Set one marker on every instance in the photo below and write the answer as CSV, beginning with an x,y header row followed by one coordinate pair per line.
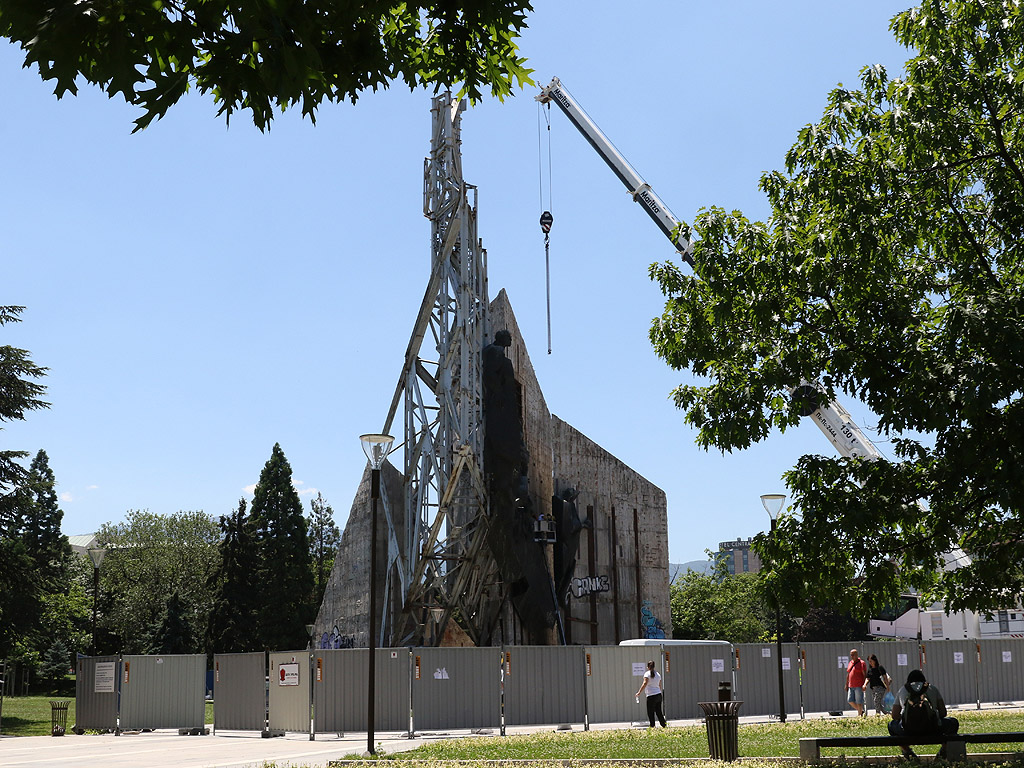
x,y
243,749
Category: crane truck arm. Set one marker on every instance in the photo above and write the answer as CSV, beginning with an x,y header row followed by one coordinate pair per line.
x,y
832,419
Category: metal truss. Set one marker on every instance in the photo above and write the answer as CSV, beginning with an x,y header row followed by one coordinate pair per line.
x,y
439,553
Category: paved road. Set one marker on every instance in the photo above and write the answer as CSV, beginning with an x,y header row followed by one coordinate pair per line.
x,y
237,749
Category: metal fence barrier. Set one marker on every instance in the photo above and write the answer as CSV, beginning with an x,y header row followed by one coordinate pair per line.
x,y
434,688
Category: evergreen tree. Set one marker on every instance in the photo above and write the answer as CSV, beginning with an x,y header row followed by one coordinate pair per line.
x,y
42,519
324,538
174,633
284,573
18,394
232,626
20,586
55,663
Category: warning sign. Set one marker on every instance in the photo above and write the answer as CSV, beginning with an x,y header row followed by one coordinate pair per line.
x,y
288,674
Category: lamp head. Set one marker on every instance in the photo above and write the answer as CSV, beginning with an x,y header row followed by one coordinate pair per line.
x,y
773,504
96,554
376,447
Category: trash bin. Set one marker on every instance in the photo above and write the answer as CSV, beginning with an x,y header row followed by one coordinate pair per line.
x,y
58,717
722,719
725,691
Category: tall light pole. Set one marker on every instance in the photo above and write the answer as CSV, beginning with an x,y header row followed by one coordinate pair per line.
x,y
773,506
96,555
376,448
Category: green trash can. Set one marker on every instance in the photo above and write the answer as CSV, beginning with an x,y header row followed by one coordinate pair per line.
x,y
58,717
722,719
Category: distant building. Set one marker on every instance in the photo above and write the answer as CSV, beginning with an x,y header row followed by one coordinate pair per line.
x,y
738,556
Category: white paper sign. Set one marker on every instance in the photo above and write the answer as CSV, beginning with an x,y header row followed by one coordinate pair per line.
x,y
901,659
639,668
766,653
843,661
103,677
785,662
718,665
958,657
288,674
1007,657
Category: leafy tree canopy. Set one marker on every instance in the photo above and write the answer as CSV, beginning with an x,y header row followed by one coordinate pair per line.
x,y
149,559
263,55
720,606
890,270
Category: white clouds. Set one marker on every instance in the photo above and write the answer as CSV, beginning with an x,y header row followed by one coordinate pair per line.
x,y
66,497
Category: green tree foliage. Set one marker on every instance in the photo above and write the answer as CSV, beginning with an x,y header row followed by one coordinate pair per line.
x,y
232,627
149,559
175,633
20,586
19,393
265,56
285,574
41,519
719,606
56,662
890,270
324,537
825,624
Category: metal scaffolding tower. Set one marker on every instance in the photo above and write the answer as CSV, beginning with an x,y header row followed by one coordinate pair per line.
x,y
439,557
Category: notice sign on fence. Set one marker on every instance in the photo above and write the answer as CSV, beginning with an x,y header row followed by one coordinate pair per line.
x,y
103,679
718,665
289,674
639,668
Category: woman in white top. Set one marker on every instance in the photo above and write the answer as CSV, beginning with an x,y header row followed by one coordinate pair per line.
x,y
652,687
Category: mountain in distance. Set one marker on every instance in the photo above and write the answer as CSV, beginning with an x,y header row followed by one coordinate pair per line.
x,y
677,569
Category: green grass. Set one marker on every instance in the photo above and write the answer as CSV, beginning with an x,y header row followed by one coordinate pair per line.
x,y
761,740
30,715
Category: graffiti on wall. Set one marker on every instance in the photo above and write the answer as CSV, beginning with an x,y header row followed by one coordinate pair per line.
x,y
336,640
653,628
590,584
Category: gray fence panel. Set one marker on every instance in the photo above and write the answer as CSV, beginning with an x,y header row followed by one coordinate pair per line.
x,y
240,691
824,680
96,692
1001,672
163,691
692,674
288,707
614,673
457,688
952,665
340,689
544,684
757,678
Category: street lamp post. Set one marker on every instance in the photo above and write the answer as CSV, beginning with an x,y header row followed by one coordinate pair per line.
x,y
96,555
773,505
376,448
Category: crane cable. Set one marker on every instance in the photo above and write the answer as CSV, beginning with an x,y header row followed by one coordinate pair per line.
x,y
546,219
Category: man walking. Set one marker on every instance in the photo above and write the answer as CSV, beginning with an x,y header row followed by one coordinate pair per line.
x,y
856,674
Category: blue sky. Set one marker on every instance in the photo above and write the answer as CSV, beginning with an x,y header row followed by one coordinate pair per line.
x,y
200,292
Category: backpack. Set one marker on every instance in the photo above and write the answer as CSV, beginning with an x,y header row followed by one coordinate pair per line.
x,y
919,715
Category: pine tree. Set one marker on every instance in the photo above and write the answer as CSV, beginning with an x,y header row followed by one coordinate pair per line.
x,y
42,519
174,633
284,574
232,627
19,583
324,538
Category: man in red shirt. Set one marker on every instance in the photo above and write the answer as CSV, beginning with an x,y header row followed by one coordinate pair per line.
x,y
856,674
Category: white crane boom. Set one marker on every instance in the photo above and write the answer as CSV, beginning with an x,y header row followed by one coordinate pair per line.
x,y
832,419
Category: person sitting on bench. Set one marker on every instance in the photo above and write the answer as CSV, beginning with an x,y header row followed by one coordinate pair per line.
x,y
920,713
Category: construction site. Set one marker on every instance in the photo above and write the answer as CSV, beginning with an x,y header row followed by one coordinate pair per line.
x,y
498,522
